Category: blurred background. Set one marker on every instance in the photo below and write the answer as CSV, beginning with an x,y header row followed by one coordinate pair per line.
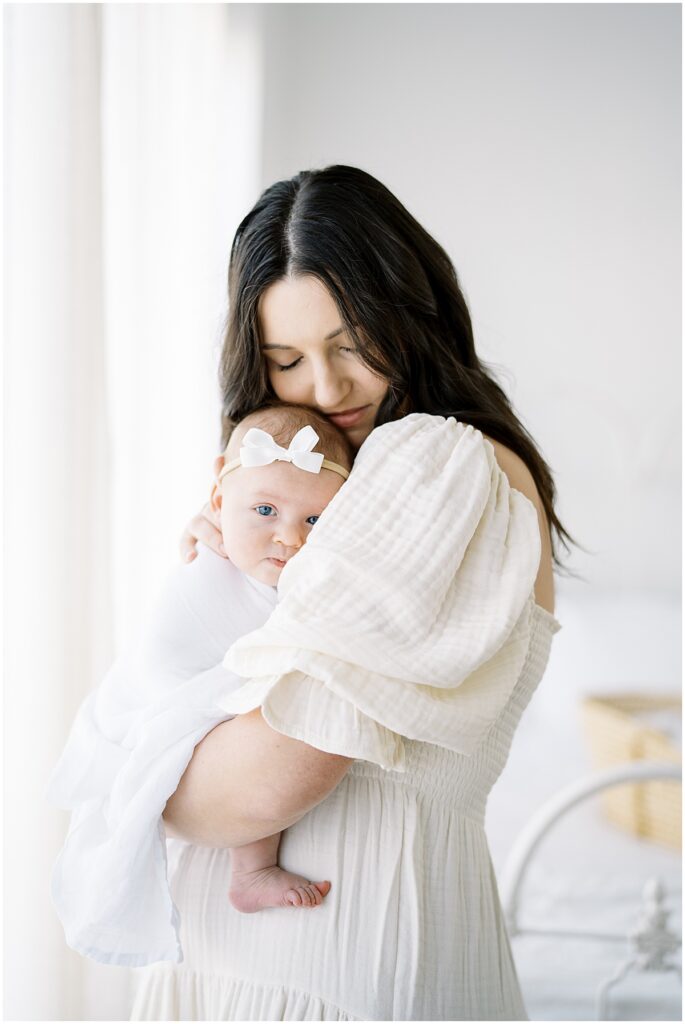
x,y
541,145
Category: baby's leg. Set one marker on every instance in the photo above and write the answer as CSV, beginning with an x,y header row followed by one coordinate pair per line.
x,y
258,882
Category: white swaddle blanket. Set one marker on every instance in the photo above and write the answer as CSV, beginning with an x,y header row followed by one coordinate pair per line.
x,y
129,745
406,614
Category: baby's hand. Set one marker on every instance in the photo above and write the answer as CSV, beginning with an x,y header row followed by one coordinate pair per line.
x,y
203,527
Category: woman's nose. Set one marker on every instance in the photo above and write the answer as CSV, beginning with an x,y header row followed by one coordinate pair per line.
x,y
329,386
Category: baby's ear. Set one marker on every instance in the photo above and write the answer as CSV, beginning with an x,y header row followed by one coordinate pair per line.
x,y
215,499
218,466
215,496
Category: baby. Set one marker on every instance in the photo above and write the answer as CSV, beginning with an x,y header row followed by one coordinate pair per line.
x,y
269,494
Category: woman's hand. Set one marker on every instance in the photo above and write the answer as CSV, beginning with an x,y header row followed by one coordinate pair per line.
x,y
206,525
202,527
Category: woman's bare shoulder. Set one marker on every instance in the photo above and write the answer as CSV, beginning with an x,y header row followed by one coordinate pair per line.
x,y
521,479
517,471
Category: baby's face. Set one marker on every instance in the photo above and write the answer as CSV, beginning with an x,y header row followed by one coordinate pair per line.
x,y
267,513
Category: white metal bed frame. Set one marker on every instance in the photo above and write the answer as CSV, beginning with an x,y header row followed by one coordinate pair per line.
x,y
651,940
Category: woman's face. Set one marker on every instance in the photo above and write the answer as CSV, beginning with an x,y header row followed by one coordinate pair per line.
x,y
311,360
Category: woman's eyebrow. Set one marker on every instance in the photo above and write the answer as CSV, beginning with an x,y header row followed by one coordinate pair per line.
x,y
333,334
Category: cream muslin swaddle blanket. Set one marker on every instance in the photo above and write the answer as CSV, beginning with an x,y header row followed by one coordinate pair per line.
x,y
408,612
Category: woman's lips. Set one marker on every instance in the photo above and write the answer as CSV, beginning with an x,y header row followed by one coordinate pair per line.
x,y
278,562
349,418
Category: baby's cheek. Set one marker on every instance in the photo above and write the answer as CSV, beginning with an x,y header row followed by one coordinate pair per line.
x,y
244,540
226,529
233,539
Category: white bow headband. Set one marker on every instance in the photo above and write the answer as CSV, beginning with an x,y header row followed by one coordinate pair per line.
x,y
259,449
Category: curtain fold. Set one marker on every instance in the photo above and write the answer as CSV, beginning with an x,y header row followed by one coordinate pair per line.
x,y
132,138
57,611
180,143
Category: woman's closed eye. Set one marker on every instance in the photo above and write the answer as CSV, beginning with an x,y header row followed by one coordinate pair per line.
x,y
290,366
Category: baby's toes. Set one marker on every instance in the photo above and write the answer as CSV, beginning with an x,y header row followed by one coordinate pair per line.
x,y
312,895
294,897
305,893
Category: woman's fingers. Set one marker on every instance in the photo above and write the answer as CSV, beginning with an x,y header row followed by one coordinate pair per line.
x,y
188,546
202,529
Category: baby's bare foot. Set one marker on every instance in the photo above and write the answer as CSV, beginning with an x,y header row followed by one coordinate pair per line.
x,y
273,887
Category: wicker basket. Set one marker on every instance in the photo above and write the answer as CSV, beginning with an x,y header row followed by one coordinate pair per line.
x,y
649,809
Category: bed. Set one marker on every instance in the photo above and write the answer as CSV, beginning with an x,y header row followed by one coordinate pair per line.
x,y
587,874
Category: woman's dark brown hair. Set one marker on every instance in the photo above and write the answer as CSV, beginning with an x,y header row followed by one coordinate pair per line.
x,y
397,293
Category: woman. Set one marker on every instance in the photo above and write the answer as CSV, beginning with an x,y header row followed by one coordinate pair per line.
x,y
340,301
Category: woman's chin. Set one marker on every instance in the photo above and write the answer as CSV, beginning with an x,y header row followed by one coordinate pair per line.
x,y
357,435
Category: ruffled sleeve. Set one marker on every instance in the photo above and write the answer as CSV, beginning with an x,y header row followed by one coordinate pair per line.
x,y
408,613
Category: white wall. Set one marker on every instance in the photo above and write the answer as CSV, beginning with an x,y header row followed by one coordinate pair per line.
x,y
540,144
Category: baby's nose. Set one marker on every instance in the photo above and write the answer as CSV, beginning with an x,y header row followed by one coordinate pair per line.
x,y
290,535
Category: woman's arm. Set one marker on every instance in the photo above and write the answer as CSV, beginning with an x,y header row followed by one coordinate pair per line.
x,y
246,781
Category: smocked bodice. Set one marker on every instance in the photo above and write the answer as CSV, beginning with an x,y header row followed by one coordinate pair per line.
x,y
465,781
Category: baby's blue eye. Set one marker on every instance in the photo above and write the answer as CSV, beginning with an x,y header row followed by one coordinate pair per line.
x,y
312,520
265,510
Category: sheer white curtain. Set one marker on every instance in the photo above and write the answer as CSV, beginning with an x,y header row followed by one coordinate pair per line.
x,y
132,138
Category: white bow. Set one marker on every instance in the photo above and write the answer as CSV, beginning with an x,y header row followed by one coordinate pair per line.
x,y
260,449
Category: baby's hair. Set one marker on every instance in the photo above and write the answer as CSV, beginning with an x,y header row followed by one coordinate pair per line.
x,y
283,422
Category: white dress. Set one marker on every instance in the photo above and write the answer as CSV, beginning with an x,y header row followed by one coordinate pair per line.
x,y
412,928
